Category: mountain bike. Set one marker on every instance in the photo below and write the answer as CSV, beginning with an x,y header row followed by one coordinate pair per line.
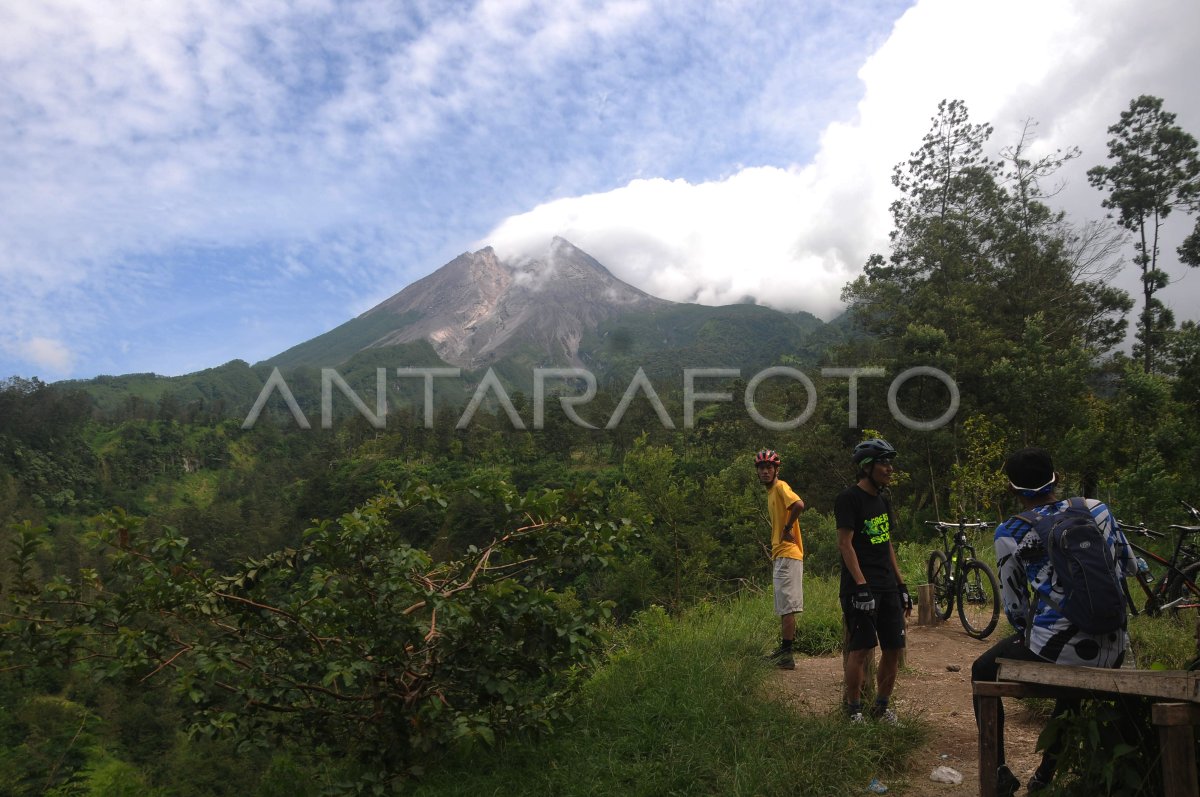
x,y
959,578
1178,588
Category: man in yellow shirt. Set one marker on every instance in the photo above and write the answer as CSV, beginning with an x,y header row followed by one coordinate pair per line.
x,y
787,552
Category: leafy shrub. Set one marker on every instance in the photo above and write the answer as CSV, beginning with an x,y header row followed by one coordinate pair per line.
x,y
58,741
1107,748
109,778
355,642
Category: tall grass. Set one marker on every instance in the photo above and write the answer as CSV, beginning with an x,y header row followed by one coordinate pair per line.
x,y
819,628
684,706
1167,642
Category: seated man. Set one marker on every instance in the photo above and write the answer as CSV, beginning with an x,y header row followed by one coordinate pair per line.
x,y
1043,632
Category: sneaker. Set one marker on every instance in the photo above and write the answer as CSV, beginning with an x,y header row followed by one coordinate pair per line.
x,y
887,715
1037,783
857,718
782,659
1006,782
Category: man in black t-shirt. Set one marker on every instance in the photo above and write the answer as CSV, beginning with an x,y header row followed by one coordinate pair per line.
x,y
874,598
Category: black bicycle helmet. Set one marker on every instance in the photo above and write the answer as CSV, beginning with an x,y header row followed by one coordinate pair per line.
x,y
766,457
873,450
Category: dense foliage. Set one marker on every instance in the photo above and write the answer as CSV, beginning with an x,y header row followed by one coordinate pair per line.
x,y
353,642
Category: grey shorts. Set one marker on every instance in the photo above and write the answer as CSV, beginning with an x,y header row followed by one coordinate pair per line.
x,y
788,578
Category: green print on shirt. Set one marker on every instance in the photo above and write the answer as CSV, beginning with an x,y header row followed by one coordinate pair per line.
x,y
878,529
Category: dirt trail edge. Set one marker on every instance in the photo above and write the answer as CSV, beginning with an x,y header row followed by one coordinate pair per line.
x,y
935,685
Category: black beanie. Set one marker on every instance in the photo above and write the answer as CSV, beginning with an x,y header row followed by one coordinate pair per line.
x,y
1029,468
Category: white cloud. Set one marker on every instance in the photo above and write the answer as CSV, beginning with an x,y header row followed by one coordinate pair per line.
x,y
792,237
145,132
53,356
715,243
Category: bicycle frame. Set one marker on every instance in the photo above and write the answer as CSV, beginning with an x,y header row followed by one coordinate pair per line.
x,y
1157,596
954,553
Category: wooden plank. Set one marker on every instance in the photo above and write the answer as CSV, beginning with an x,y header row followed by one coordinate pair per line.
x,y
1170,684
1013,689
1175,714
1175,721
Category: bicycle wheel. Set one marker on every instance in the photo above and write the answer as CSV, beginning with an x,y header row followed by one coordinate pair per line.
x,y
1178,592
938,573
979,599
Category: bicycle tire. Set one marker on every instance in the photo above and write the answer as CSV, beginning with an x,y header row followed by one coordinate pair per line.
x,y
937,571
978,599
1176,589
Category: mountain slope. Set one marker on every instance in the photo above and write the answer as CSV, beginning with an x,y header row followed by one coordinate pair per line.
x,y
478,312
666,340
476,309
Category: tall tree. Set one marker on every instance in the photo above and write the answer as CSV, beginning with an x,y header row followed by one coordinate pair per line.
x,y
976,255
1155,170
990,285
976,251
1071,266
938,245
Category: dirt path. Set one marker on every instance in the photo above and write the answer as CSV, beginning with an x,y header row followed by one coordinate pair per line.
x,y
930,687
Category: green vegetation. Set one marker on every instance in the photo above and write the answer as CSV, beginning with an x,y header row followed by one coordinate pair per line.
x,y
340,344
353,642
744,336
682,707
190,607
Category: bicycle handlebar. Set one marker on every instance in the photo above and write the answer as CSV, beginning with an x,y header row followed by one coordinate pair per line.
x,y
1193,511
943,524
1140,528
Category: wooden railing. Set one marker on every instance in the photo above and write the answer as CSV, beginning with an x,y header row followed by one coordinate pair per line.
x,y
1176,709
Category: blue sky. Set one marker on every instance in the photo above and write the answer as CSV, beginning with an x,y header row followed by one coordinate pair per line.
x,y
182,184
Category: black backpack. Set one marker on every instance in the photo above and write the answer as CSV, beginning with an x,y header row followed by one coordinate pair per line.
x,y
1093,598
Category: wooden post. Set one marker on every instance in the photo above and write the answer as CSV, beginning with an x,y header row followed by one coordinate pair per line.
x,y
1178,744
925,613
989,744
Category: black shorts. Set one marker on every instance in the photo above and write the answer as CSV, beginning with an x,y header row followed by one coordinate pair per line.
x,y
884,627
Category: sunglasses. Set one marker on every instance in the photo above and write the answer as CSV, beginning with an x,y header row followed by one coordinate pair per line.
x,y
1020,489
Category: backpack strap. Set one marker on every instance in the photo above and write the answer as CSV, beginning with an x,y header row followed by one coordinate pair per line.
x,y
1032,518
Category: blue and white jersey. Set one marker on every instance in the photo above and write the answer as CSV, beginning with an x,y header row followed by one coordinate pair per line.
x,y
1022,562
